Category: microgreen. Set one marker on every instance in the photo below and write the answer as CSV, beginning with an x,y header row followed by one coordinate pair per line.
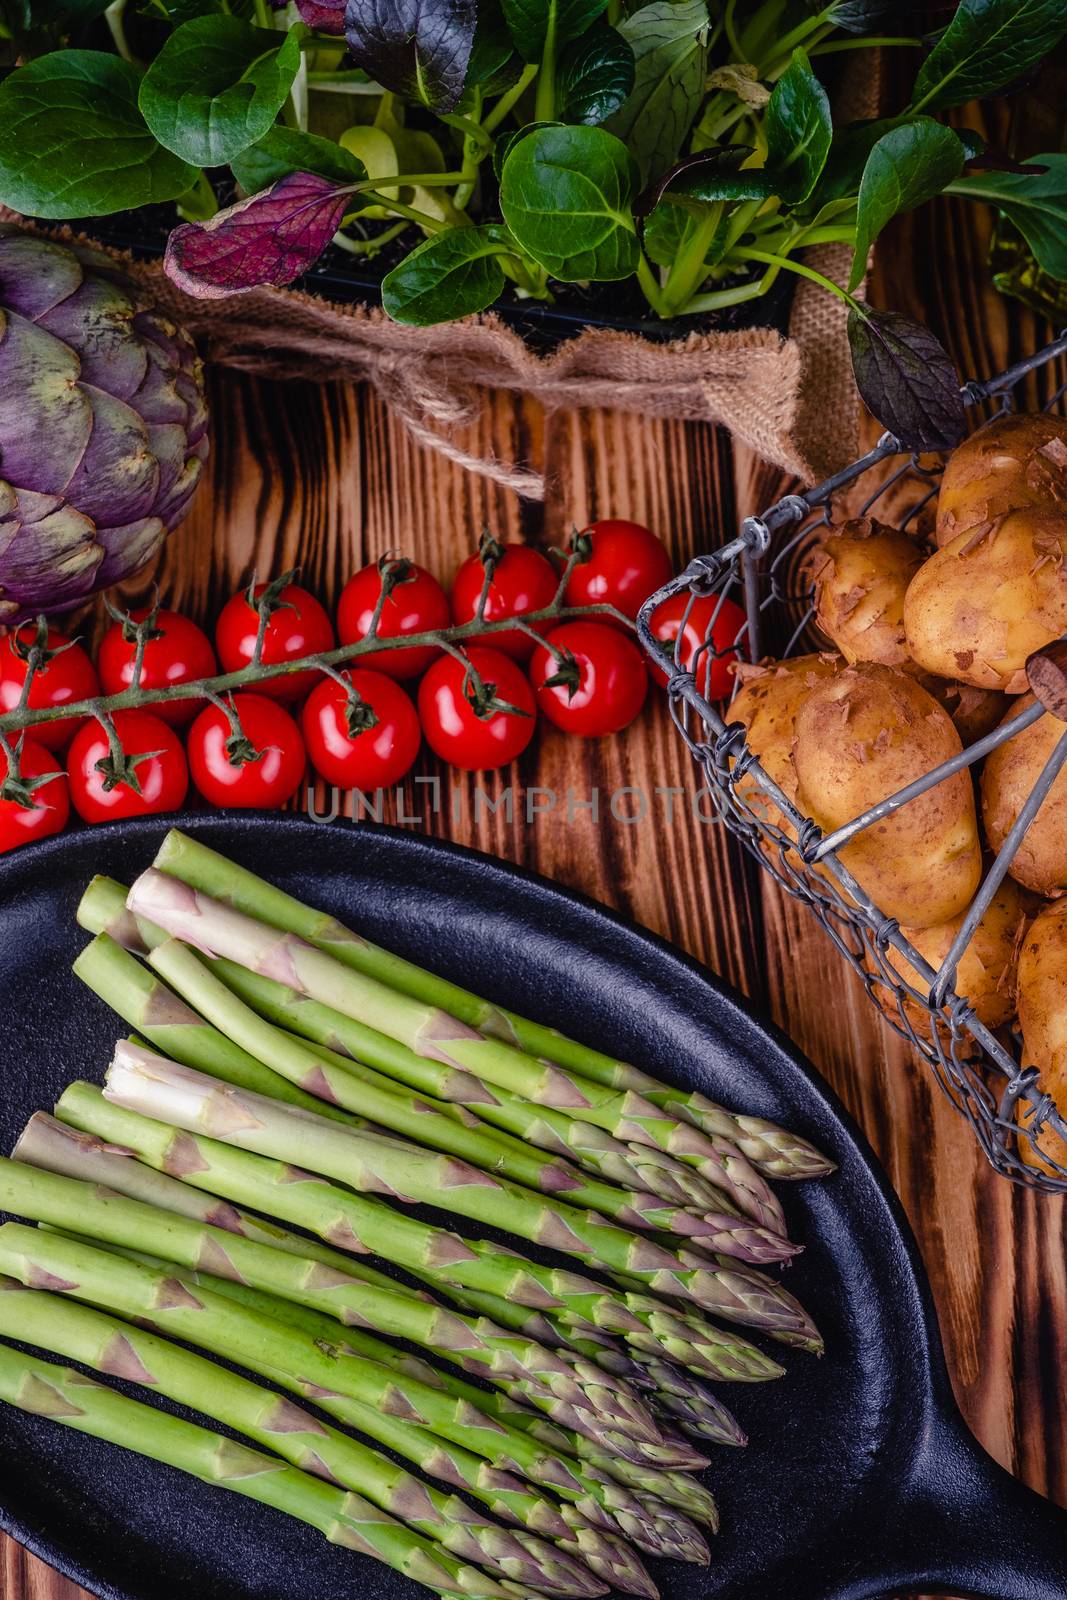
x,y
517,146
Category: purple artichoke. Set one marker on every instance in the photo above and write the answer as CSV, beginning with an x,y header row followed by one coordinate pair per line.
x,y
103,425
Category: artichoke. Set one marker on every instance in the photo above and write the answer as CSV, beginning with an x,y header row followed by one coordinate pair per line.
x,y
103,424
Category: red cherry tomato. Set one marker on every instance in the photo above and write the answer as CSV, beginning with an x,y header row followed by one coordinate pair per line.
x,y
711,615
67,677
299,627
471,739
181,653
270,777
372,757
523,580
627,564
162,777
606,681
416,604
50,804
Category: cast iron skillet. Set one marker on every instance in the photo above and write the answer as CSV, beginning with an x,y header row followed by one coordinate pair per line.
x,y
861,1479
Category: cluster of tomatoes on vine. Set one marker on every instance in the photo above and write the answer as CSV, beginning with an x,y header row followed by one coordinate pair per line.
x,y
476,703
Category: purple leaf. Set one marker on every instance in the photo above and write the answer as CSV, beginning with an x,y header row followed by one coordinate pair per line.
x,y
270,238
417,48
906,379
323,16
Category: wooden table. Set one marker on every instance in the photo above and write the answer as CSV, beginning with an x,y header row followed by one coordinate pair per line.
x,y
325,479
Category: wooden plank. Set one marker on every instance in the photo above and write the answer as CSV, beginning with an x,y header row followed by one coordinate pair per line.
x,y
326,479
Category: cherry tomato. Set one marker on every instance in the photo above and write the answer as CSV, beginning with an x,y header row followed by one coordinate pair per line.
x,y
455,729
710,613
269,777
181,653
416,604
627,564
299,627
67,677
161,777
371,757
50,804
605,679
523,580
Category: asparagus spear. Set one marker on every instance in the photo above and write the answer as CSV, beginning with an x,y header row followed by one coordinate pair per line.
x,y
356,1223
702,1348
673,1487
148,1005
577,1529
70,1398
218,1323
83,1334
508,1497
217,929
335,1079
583,1397
775,1151
103,910
46,1142
141,1081
338,1216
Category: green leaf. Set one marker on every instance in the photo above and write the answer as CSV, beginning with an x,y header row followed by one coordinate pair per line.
x,y
859,16
671,226
906,167
799,129
451,275
493,65
716,173
74,144
596,73
987,44
216,87
285,150
1036,202
529,22
566,194
669,42
504,144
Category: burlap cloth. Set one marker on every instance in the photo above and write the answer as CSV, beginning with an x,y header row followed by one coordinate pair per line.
x,y
790,399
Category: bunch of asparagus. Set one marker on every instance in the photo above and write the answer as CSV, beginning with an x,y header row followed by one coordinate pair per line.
x,y
290,1091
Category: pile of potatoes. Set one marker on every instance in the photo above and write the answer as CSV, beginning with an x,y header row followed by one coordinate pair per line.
x,y
929,650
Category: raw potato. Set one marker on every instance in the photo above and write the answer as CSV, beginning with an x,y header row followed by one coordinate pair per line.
x,y
1014,461
861,573
1008,775
987,600
861,736
986,974
975,712
1043,1018
767,704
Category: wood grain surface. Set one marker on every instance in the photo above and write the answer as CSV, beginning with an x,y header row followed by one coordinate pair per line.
x,y
323,478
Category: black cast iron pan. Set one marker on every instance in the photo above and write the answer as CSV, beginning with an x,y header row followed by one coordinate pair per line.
x,y
861,1479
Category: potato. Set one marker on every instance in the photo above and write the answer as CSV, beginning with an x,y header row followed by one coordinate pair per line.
x,y
986,601
975,712
986,974
862,735
1043,1018
1008,775
767,704
1014,461
861,572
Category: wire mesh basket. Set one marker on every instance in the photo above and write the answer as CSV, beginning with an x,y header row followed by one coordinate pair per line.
x,y
765,569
